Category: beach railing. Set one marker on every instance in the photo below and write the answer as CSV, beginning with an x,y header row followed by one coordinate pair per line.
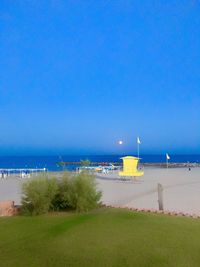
x,y
22,172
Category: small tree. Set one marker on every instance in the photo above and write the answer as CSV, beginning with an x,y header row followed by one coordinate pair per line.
x,y
38,195
85,162
62,198
78,192
84,195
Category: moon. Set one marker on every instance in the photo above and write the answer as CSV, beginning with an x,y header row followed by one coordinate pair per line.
x,y
120,142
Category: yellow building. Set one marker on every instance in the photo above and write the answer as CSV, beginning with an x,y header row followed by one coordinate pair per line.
x,y
130,165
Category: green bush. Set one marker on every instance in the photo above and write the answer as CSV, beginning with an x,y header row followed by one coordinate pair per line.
x,y
61,200
83,195
85,162
38,195
77,192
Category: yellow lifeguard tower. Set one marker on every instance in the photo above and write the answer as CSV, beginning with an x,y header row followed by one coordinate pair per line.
x,y
130,167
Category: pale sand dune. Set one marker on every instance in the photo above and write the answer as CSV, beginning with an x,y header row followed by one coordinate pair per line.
x,y
181,189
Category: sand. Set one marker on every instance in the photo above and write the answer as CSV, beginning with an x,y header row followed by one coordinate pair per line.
x,y
181,189
10,189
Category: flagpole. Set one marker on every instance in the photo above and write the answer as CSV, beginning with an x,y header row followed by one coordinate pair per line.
x,y
138,147
167,160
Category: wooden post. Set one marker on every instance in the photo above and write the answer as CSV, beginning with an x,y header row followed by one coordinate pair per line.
x,y
160,197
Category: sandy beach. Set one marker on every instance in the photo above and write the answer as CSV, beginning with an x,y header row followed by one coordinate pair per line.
x,y
181,189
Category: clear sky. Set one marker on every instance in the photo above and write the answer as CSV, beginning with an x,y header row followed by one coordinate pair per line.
x,y
76,76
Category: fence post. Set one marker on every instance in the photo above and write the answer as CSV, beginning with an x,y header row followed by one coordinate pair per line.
x,y
160,197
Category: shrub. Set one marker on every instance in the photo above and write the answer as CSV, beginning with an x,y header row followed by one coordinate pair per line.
x,y
83,195
62,198
38,195
78,192
85,162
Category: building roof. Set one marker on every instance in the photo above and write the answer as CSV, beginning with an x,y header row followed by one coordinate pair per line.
x,y
130,157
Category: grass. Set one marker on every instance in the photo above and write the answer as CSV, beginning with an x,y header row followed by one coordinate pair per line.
x,y
106,237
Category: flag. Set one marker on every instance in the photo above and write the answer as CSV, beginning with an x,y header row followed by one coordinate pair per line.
x,y
167,157
138,141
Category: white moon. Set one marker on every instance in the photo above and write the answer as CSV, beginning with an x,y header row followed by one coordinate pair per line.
x,y
120,142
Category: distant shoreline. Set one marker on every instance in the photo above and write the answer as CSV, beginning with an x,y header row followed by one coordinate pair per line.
x,y
158,164
172,165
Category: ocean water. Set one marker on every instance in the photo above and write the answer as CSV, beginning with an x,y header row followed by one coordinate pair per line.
x,y
50,162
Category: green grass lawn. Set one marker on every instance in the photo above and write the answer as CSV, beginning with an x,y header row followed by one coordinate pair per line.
x,y
106,237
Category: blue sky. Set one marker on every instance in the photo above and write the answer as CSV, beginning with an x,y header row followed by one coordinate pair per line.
x,y
76,76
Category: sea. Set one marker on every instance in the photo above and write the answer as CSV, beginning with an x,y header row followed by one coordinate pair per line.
x,y
51,162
